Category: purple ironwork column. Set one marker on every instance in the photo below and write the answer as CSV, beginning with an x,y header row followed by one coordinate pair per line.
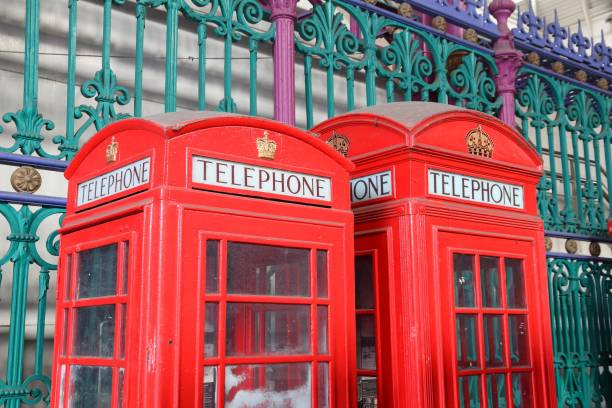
x,y
283,14
508,59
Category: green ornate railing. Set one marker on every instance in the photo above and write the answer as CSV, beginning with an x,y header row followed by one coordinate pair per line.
x,y
581,310
569,124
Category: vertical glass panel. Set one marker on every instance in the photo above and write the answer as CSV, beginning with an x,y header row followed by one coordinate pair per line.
x,y
62,385
211,319
322,273
496,391
267,329
210,387
90,387
65,333
521,391
366,392
94,331
519,340
323,385
493,341
270,385
212,266
469,392
123,290
366,342
120,387
489,281
97,272
467,342
364,285
322,329
68,272
267,270
515,283
463,267
122,312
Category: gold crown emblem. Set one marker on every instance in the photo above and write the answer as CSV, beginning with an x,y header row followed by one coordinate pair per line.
x,y
266,148
479,143
111,151
339,142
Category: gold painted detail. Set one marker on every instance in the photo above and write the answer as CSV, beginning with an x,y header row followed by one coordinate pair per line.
x,y
266,148
26,179
548,242
571,246
339,142
470,35
112,150
533,58
405,10
479,143
595,248
581,75
558,67
602,83
439,23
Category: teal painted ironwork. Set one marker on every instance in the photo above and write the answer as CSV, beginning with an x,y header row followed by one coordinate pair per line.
x,y
403,62
581,311
570,127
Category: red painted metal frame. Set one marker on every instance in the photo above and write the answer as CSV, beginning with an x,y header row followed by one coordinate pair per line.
x,y
418,341
168,220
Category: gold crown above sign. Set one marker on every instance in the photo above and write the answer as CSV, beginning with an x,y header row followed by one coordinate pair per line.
x,y
479,143
266,148
112,149
339,142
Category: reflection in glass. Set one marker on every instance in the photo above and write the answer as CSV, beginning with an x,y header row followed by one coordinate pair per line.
x,y
519,340
366,392
469,392
120,387
267,329
467,342
323,385
90,387
210,387
496,391
322,329
515,283
270,385
267,270
493,340
364,285
94,331
68,275
122,313
489,281
521,390
366,342
463,266
212,266
125,268
97,272
211,317
322,273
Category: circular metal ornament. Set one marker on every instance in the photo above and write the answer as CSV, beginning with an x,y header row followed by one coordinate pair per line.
x,y
548,243
602,83
558,67
405,10
581,75
470,35
533,58
594,248
439,23
571,246
26,179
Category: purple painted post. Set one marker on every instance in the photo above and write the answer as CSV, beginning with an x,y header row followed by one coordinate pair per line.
x,y
283,14
508,59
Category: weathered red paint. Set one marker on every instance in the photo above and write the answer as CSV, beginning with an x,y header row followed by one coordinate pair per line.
x,y
412,234
166,222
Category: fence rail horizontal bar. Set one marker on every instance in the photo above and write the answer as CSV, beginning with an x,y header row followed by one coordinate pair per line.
x,y
32,199
37,162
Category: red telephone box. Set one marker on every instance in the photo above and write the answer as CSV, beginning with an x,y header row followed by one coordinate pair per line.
x,y
450,274
205,260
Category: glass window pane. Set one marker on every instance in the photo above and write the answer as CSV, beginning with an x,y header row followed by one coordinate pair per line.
x,y
521,390
463,267
94,331
271,385
68,274
122,312
124,268
212,266
366,342
120,387
210,387
211,316
90,387
515,283
323,385
469,392
322,273
519,340
65,333
489,280
364,285
62,385
493,341
267,329
97,272
366,392
322,329
467,342
496,391
267,270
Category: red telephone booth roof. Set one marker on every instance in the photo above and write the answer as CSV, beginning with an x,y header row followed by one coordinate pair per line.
x,y
173,124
